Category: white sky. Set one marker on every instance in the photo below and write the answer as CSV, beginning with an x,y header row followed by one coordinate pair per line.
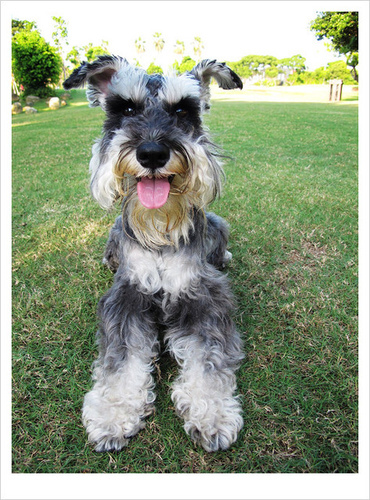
x,y
229,29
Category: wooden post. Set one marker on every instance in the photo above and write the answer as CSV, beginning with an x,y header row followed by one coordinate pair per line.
x,y
335,90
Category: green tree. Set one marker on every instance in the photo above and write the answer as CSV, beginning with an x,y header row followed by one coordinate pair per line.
x,y
179,47
241,69
352,62
294,63
60,39
92,52
256,65
341,29
74,57
198,47
158,42
154,69
187,64
338,71
140,45
60,34
35,64
18,25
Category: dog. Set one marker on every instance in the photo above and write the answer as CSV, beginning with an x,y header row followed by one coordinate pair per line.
x,y
155,156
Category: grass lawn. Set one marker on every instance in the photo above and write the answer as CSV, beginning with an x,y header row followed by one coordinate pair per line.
x,y
291,201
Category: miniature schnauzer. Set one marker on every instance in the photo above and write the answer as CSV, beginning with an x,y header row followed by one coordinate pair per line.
x,y
166,251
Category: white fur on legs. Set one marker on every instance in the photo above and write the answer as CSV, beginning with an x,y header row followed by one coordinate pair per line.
x,y
114,409
203,397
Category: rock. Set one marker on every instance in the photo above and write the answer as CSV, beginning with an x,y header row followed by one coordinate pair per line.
x,y
31,99
29,111
54,103
16,108
15,97
65,96
63,103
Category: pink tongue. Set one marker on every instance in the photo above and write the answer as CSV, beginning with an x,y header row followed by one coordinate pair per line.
x,y
153,193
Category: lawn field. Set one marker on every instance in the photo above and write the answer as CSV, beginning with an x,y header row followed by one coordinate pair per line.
x,y
291,201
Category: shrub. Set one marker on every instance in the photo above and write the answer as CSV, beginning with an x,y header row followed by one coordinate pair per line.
x,y
154,69
187,64
35,64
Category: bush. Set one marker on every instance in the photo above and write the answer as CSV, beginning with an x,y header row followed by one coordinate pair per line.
x,y
338,71
187,64
154,69
35,64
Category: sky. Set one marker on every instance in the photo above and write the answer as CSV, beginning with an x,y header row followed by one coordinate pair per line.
x,y
229,29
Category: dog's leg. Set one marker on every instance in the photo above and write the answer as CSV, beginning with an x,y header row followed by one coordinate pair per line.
x,y
112,249
216,241
207,346
122,394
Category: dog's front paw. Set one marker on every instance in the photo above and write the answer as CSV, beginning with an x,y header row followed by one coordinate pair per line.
x,y
110,426
108,443
214,424
215,435
111,436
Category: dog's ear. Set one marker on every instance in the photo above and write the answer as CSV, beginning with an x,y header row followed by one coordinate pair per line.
x,y
224,76
98,76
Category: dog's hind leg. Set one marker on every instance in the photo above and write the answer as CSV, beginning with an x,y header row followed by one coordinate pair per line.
x,y
216,241
122,395
112,249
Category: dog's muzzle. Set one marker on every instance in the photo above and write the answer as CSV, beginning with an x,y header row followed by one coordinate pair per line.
x,y
153,191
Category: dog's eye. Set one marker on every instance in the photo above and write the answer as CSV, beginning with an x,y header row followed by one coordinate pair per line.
x,y
181,112
129,111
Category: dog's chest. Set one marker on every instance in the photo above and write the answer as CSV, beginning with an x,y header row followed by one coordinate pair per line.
x,y
170,271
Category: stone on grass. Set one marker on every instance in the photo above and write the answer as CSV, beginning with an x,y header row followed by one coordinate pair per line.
x,y
31,99
29,110
16,108
54,103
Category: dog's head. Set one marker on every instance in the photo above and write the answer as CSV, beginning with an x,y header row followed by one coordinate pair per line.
x,y
154,151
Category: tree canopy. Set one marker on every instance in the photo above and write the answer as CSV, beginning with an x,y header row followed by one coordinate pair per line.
x,y
341,28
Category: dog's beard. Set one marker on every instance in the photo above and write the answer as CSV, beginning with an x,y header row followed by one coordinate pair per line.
x,y
193,185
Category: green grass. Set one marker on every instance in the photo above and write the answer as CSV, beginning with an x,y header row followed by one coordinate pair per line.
x,y
291,200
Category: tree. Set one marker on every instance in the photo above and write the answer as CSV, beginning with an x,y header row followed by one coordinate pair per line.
x,y
179,47
74,57
352,62
198,47
154,69
338,71
256,65
18,26
341,28
158,42
140,45
60,34
241,69
36,65
295,63
187,64
60,38
92,52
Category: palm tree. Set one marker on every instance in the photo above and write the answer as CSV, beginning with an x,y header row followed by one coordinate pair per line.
x,y
198,47
158,42
140,45
179,48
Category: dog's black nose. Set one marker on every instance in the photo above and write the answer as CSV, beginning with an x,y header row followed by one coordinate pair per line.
x,y
153,155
